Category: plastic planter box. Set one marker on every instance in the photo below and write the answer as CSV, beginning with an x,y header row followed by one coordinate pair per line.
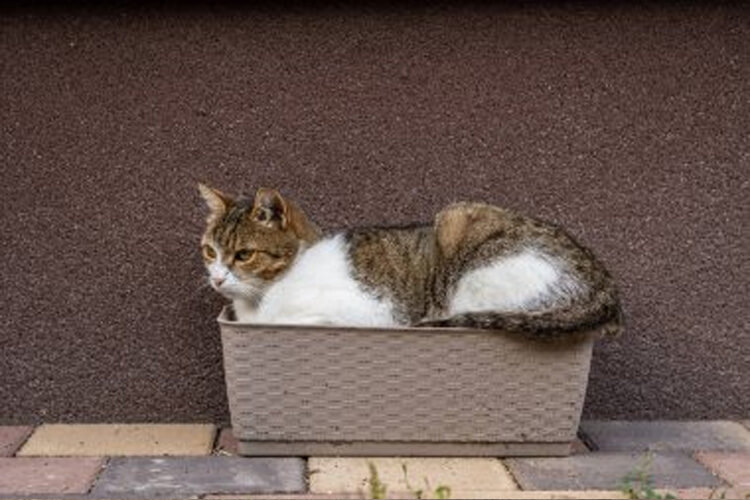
x,y
300,391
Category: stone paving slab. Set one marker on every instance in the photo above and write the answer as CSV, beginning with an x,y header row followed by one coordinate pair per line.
x,y
732,467
667,435
143,477
502,495
466,477
721,492
299,496
733,494
607,471
12,437
40,476
120,440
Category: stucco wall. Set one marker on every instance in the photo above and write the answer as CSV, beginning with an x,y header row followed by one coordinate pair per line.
x,y
628,125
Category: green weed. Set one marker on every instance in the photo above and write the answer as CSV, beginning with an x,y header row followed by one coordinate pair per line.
x,y
442,492
638,484
378,489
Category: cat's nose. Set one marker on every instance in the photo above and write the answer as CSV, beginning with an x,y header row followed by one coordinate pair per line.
x,y
217,281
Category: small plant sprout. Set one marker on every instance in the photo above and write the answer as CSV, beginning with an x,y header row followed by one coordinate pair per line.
x,y
377,488
638,484
418,494
442,492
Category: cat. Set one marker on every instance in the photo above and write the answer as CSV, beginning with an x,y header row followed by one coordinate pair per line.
x,y
477,266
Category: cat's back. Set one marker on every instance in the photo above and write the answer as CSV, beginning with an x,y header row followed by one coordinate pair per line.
x,y
462,227
419,266
396,262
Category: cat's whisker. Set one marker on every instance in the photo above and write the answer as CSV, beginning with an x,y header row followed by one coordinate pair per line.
x,y
203,284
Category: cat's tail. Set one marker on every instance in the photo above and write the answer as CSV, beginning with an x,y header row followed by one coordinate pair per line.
x,y
602,315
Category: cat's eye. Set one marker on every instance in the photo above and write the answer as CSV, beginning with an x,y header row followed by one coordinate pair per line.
x,y
244,255
209,252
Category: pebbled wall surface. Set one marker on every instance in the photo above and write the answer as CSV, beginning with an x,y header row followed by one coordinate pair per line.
x,y
628,124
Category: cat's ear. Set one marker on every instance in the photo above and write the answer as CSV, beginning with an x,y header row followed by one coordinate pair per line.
x,y
270,209
215,199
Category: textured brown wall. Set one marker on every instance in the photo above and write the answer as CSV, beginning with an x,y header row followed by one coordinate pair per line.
x,y
627,124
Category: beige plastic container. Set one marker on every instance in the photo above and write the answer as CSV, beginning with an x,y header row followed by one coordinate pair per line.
x,y
300,391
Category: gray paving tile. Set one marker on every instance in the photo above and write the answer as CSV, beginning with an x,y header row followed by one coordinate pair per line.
x,y
169,476
608,470
667,435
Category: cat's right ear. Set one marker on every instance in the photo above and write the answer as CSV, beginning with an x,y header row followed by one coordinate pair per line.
x,y
270,209
215,199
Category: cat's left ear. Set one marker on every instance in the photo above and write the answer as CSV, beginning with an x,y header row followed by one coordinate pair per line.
x,y
270,209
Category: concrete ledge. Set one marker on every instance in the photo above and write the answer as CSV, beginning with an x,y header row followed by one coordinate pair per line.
x,y
401,449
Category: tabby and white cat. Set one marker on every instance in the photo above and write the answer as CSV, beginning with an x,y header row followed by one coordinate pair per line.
x,y
476,266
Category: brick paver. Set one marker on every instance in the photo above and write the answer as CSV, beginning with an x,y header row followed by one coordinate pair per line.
x,y
178,476
607,471
12,437
556,495
227,444
667,435
719,446
283,496
120,440
732,494
732,467
466,477
54,476
719,493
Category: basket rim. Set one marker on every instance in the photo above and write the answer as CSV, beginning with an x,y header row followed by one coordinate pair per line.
x,y
226,323
225,320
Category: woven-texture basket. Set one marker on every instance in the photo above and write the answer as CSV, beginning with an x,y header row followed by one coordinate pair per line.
x,y
329,385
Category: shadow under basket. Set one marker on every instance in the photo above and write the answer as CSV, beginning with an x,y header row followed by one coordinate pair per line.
x,y
340,391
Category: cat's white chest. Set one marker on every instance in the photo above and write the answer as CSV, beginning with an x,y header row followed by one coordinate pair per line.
x,y
320,289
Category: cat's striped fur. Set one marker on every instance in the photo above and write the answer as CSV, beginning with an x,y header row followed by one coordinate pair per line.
x,y
477,266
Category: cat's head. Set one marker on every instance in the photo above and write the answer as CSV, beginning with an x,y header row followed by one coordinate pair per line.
x,y
250,242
